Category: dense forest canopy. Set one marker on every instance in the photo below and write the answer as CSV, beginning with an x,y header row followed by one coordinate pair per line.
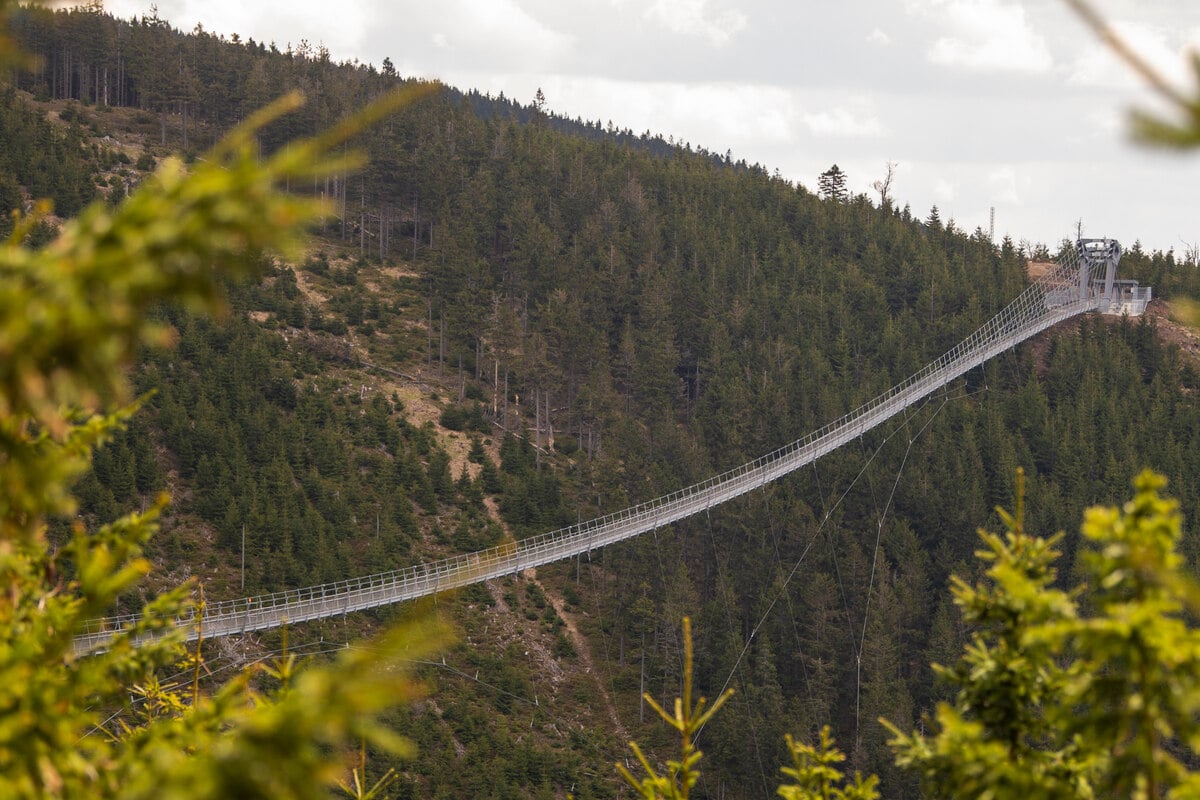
x,y
597,318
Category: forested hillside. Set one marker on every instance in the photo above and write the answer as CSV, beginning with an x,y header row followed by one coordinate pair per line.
x,y
509,322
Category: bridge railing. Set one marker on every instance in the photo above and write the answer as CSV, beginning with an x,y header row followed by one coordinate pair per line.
x,y
1054,297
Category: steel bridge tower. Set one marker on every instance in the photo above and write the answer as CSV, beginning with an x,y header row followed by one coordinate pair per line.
x,y
1107,294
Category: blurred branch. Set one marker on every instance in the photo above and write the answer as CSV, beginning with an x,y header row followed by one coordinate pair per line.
x,y
1127,53
1148,128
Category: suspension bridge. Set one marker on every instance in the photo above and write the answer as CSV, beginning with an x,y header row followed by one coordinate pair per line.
x,y
1083,280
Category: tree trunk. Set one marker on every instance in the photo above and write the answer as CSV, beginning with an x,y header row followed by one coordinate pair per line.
x,y
442,344
382,233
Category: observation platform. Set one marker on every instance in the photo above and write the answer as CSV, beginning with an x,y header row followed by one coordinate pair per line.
x,y
1098,260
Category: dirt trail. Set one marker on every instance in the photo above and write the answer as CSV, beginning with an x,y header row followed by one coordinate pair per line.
x,y
584,652
417,392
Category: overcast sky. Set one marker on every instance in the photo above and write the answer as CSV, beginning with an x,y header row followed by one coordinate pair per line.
x,y
980,103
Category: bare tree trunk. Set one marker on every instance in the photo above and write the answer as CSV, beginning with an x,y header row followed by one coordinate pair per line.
x,y
442,344
342,193
642,686
324,197
416,226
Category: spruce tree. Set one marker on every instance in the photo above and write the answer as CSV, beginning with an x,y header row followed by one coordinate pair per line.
x,y
831,185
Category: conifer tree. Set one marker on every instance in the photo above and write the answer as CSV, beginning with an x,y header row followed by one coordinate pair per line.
x,y
72,314
832,184
1059,697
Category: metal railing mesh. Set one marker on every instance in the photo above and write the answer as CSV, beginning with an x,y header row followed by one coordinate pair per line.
x,y
1054,297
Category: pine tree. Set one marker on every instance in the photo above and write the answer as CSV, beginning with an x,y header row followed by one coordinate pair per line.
x,y
1059,697
832,184
72,315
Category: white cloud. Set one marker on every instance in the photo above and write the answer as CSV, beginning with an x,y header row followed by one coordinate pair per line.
x,y
878,37
717,116
1108,122
984,35
342,32
503,26
843,122
1002,186
714,115
1164,50
501,30
944,191
694,18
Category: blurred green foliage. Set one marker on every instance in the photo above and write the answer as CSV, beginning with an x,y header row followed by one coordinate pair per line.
x,y
72,315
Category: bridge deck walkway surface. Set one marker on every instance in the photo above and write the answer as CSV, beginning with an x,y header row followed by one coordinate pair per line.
x,y
1051,299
